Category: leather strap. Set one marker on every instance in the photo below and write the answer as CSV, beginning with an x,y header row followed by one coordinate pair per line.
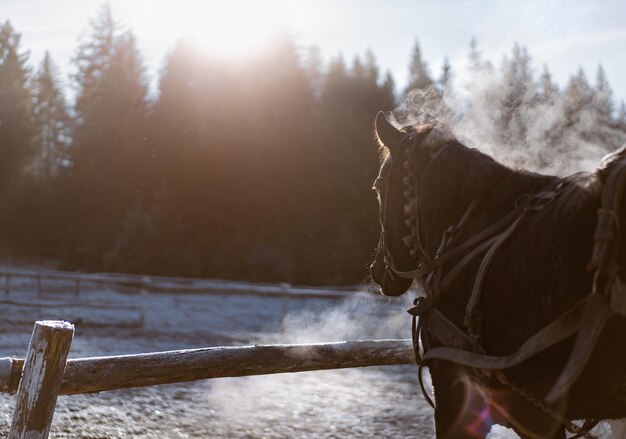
x,y
565,326
448,334
473,319
523,204
456,251
593,322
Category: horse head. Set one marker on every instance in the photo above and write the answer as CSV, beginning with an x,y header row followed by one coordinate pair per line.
x,y
406,154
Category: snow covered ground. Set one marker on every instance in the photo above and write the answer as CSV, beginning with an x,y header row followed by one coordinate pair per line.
x,y
382,402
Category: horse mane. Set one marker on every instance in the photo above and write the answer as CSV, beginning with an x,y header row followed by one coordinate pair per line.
x,y
460,175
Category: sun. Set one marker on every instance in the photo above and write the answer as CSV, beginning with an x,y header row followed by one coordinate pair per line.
x,y
237,28
232,28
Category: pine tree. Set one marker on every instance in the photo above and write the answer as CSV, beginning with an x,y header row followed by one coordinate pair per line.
x,y
314,68
371,67
548,90
602,99
445,79
419,77
577,97
109,153
93,61
189,140
388,91
518,76
476,62
358,69
278,104
621,116
517,93
43,213
349,102
52,122
474,55
177,115
16,127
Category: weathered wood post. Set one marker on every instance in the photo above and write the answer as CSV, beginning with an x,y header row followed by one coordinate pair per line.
x,y
7,285
77,289
41,379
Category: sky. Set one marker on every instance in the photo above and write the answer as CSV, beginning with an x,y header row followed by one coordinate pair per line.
x,y
564,34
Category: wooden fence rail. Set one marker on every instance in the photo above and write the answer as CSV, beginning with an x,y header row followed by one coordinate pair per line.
x,y
40,281
46,373
97,374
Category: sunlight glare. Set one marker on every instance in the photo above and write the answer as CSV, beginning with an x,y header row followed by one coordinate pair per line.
x,y
233,28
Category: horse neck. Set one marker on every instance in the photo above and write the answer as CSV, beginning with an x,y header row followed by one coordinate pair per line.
x,y
462,177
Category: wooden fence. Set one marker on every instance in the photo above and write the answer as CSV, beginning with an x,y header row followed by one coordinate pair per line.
x,y
65,282
64,287
46,372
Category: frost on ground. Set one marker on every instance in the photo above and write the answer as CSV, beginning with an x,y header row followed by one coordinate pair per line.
x,y
345,403
382,402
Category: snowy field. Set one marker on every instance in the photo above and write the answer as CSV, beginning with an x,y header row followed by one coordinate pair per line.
x,y
381,402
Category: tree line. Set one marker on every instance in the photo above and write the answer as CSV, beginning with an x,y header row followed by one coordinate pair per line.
x,y
257,169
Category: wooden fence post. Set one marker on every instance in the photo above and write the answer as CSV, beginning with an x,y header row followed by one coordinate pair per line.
x,y
77,289
41,379
38,284
283,309
7,287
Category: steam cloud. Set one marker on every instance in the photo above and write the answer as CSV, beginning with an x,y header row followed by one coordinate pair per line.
x,y
336,403
364,316
520,122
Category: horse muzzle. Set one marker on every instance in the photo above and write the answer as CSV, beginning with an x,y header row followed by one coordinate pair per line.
x,y
390,283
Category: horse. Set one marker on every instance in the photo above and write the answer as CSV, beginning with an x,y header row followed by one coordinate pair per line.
x,y
516,326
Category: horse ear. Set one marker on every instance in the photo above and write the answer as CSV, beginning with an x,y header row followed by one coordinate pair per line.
x,y
387,134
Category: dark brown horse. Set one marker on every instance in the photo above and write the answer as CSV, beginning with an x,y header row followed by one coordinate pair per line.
x,y
429,182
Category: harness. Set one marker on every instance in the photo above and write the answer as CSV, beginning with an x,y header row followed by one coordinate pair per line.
x,y
587,318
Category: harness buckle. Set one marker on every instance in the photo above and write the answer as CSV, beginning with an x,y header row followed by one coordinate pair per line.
x,y
420,306
540,200
528,202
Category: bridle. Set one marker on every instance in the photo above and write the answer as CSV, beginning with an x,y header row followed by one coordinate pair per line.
x,y
413,241
463,347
